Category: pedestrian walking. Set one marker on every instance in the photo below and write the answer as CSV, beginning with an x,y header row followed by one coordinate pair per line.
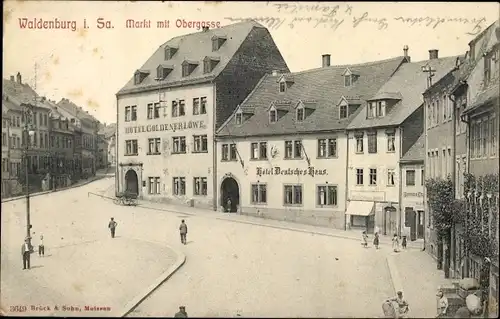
x,y
403,242
364,241
181,313
395,243
25,252
41,247
183,228
376,241
112,227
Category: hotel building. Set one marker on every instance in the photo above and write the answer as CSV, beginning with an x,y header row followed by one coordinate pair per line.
x,y
168,112
283,152
379,136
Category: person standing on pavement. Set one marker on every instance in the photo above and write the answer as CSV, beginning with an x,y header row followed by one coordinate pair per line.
x,y
228,205
442,307
376,241
364,243
395,243
41,247
25,252
182,313
112,227
183,230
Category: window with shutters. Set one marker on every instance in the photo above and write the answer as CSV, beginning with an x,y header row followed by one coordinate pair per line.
x,y
372,143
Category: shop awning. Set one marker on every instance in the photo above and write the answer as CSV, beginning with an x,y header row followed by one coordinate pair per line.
x,y
360,208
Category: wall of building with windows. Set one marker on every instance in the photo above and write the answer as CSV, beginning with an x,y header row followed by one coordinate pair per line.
x,y
295,177
166,138
373,172
412,200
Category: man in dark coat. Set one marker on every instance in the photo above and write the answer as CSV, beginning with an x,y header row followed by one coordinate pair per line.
x,y
182,313
25,252
183,228
112,226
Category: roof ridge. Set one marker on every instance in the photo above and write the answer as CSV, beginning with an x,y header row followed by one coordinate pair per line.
x,y
370,63
251,21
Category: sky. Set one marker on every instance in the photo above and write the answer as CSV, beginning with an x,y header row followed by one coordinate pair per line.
x,y
89,65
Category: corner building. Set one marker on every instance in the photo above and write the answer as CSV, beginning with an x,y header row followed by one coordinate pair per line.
x,y
168,112
283,153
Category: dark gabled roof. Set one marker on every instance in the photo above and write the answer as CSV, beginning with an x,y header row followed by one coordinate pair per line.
x,y
194,47
20,93
410,82
8,105
323,85
75,110
416,153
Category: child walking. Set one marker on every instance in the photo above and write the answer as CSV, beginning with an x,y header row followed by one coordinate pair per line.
x,y
395,243
364,243
41,247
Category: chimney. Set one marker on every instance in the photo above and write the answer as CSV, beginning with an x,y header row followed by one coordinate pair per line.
x,y
12,78
433,54
405,51
205,29
18,76
326,60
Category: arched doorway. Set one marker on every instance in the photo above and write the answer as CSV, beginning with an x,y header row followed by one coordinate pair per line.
x,y
131,182
230,191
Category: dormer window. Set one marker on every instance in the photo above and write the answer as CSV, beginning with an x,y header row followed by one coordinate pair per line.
x,y
282,87
217,42
162,71
209,63
285,81
343,111
300,113
349,77
376,109
239,118
273,115
139,76
188,67
170,52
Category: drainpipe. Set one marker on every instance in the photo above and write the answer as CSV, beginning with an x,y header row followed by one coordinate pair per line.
x,y
117,171
346,180
215,176
454,173
400,226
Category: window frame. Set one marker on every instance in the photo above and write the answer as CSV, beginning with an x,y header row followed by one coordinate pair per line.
x,y
150,111
409,180
391,137
300,114
360,174
154,146
203,141
373,177
294,192
196,106
391,172
127,113
238,117
373,149
202,183
260,188
132,143
179,140
273,115
327,198
179,186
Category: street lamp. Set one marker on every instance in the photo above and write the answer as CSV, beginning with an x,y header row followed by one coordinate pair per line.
x,y
29,133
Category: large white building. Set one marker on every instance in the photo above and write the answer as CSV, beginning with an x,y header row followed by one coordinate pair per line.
x,y
283,153
168,112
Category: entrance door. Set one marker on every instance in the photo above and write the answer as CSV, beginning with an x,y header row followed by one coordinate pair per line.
x,y
389,220
410,221
230,193
420,224
131,182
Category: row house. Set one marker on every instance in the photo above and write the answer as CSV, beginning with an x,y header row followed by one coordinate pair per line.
x,y
411,198
466,122
379,136
168,112
34,144
85,139
102,151
108,132
283,153
12,151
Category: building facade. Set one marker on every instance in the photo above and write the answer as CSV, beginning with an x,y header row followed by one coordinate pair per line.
x,y
289,138
102,151
379,137
168,112
411,196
